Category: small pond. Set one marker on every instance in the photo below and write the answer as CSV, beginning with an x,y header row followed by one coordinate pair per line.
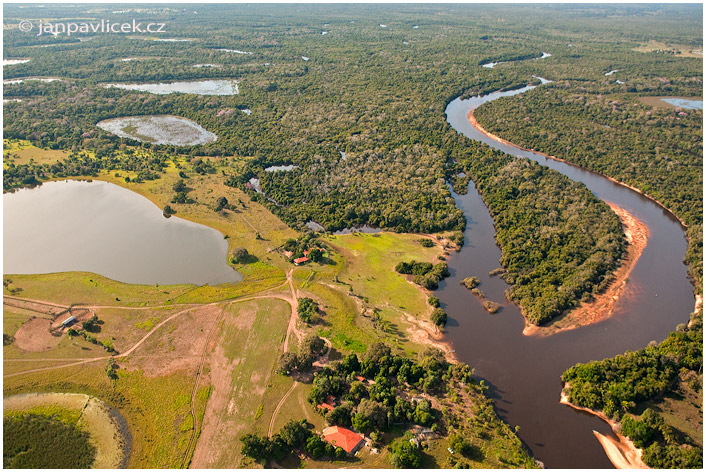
x,y
358,229
281,168
199,87
12,62
685,103
108,230
159,129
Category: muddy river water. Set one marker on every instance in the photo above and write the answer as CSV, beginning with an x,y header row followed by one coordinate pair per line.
x,y
523,372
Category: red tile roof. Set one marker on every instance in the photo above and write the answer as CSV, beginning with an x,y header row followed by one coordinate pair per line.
x,y
325,405
343,438
300,260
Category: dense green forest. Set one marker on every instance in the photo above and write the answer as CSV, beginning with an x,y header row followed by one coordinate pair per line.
x,y
605,127
620,386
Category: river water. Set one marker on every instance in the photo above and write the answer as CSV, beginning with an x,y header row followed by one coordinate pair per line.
x,y
524,372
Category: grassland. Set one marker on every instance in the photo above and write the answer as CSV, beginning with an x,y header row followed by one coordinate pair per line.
x,y
679,50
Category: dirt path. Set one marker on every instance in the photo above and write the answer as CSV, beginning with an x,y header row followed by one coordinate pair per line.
x,y
292,328
199,374
279,405
603,304
621,452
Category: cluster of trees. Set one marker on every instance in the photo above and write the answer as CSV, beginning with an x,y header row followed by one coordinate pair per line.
x,y
617,386
310,348
33,441
307,309
81,164
308,242
294,437
661,445
425,274
376,407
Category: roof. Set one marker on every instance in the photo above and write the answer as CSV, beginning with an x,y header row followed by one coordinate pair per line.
x,y
343,438
325,405
68,320
300,260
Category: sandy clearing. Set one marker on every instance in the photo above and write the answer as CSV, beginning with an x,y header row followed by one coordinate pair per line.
x,y
603,304
423,332
621,452
34,336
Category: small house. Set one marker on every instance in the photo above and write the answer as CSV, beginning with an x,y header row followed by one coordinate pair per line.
x,y
346,439
301,260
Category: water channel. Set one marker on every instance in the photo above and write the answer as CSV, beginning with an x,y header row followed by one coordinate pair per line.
x,y
524,372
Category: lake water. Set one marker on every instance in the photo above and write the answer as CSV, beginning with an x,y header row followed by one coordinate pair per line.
x,y
12,62
281,168
108,230
523,372
199,87
358,229
685,103
159,129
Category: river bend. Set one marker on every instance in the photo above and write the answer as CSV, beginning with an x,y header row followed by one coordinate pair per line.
x,y
523,372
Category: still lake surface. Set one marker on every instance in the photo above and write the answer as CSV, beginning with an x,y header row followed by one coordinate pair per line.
x,y
105,229
524,372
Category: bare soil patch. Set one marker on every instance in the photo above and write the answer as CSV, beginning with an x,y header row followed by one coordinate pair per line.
x,y
178,347
34,336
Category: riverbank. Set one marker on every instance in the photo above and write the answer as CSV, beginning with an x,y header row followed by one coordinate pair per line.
x,y
602,306
621,451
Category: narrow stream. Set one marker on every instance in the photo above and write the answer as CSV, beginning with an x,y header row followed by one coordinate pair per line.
x,y
524,372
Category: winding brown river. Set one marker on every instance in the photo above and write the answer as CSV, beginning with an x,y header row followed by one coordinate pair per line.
x,y
523,372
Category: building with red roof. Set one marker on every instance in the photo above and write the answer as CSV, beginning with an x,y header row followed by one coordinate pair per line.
x,y
301,260
344,438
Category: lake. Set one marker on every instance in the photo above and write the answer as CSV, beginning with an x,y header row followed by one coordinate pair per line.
x,y
108,230
197,87
159,129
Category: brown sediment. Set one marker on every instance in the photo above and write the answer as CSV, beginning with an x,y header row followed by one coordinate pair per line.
x,y
621,452
603,304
